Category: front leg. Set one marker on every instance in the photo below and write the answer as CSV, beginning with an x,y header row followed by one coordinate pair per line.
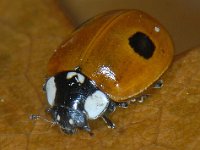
x,y
113,105
111,108
109,123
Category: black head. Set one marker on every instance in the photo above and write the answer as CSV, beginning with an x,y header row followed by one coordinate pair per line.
x,y
69,119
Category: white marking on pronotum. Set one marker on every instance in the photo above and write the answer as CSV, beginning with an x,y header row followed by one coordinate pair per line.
x,y
96,104
80,79
71,74
51,90
157,29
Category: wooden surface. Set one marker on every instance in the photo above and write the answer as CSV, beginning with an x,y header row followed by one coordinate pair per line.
x,y
29,32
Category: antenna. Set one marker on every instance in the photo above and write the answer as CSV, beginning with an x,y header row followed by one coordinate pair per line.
x,y
37,117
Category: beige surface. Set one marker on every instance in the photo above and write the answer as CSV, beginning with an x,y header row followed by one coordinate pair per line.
x,y
29,31
181,17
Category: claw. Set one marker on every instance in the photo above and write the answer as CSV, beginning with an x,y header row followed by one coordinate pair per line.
x,y
88,129
141,98
108,122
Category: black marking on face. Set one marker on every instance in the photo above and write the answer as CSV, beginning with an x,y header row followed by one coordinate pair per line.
x,y
142,45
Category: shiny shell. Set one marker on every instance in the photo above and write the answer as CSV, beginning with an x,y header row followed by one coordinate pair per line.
x,y
122,51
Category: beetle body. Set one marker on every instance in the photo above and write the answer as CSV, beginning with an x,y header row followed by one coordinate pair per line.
x,y
120,52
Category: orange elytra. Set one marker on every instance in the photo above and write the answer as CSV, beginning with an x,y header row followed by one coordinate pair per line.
x,y
123,52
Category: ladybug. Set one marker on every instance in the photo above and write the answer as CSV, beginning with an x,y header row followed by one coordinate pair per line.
x,y
104,64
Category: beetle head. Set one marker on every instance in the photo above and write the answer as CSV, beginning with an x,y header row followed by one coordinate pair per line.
x,y
69,119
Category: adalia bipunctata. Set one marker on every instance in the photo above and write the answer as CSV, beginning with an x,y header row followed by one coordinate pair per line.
x,y
104,63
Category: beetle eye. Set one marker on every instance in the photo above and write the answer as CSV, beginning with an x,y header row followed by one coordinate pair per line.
x,y
142,45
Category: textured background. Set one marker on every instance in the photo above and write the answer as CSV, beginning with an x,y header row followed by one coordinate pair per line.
x,y
29,32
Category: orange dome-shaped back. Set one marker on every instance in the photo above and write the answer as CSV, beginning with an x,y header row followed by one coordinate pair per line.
x,y
123,51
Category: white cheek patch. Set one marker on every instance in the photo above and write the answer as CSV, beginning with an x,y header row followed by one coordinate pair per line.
x,y
51,90
96,104
80,79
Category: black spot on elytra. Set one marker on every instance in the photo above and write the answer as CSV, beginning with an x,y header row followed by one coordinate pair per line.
x,y
142,45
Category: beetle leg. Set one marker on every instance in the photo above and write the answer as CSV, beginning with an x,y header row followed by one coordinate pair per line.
x,y
87,128
123,104
108,122
158,84
141,98
112,106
